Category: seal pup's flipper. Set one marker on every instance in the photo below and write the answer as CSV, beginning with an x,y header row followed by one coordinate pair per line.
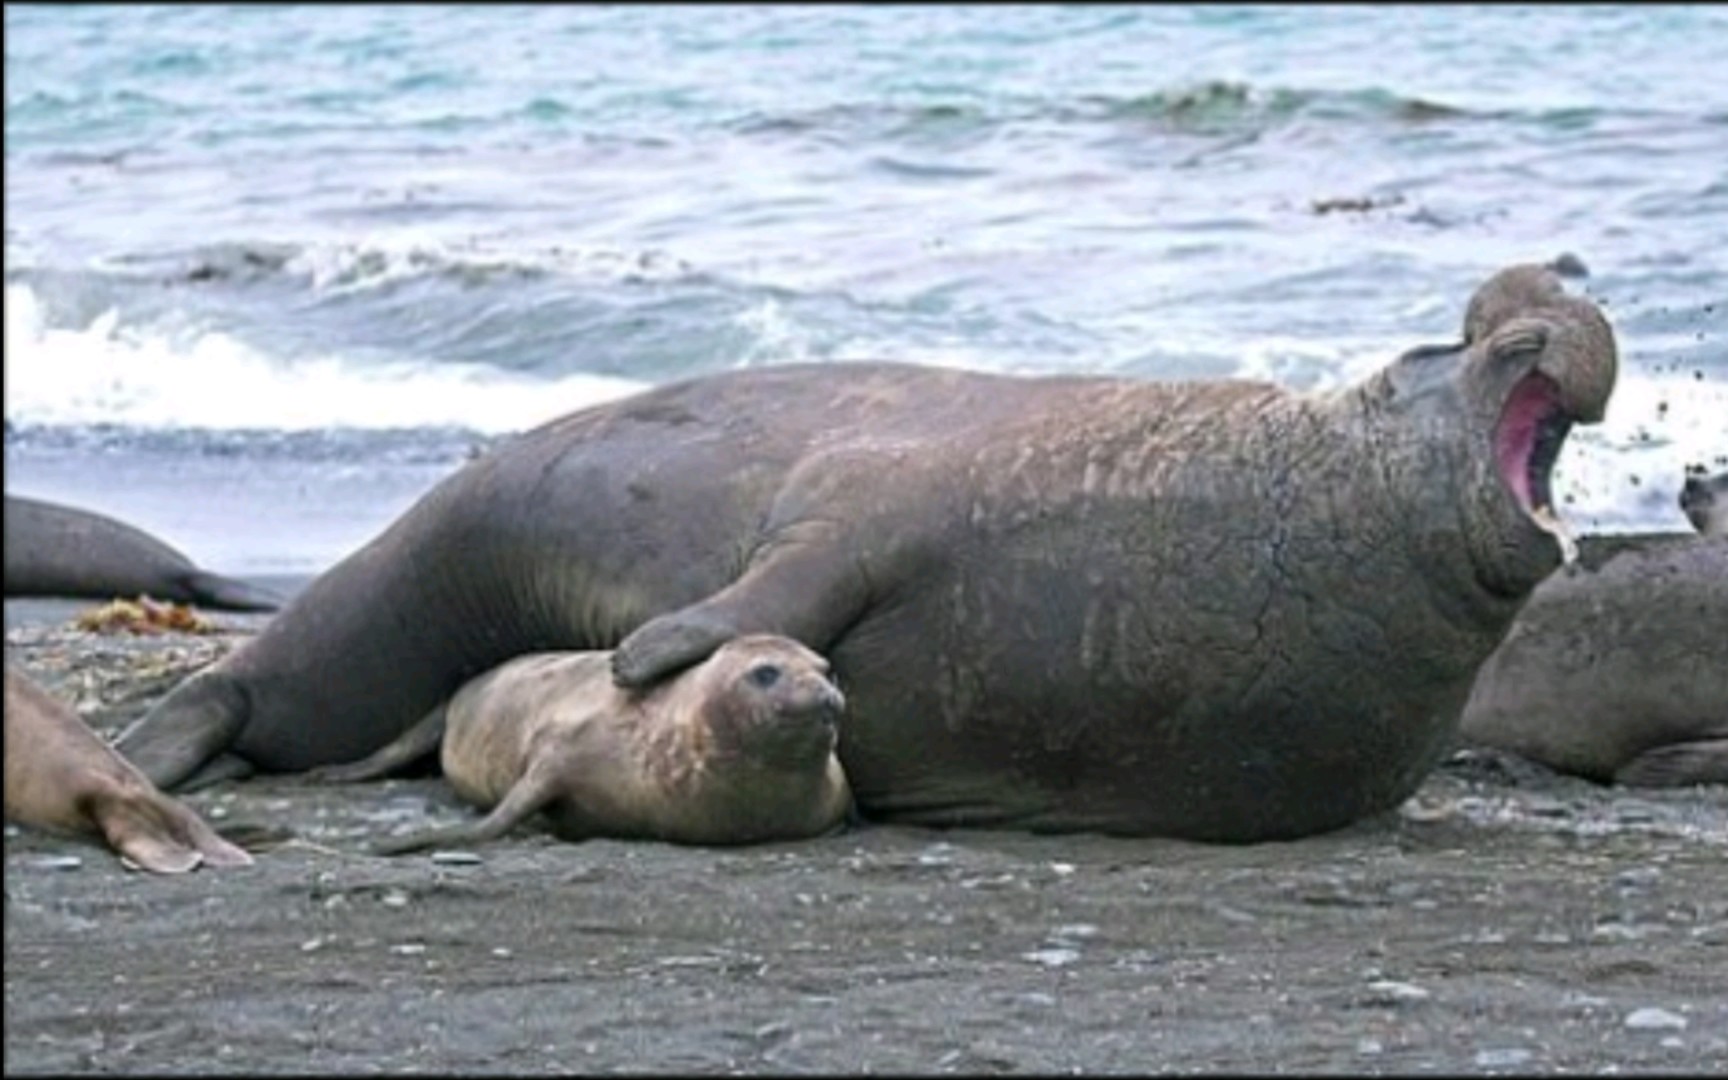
x,y
394,756
533,791
215,591
198,720
1701,761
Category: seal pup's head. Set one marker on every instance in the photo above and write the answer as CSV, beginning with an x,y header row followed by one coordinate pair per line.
x,y
1704,501
769,699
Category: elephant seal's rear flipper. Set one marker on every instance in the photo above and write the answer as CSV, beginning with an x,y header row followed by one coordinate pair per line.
x,y
62,777
1704,761
200,719
215,591
161,835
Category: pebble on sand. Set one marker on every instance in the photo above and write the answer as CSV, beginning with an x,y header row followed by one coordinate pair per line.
x,y
1651,1018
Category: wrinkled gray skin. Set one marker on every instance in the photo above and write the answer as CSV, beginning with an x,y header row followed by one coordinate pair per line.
x,y
54,550
1216,610
1617,669
1704,501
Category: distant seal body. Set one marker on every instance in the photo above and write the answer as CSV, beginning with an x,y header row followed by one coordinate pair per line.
x,y
1704,501
61,776
738,749
54,550
1617,668
1217,610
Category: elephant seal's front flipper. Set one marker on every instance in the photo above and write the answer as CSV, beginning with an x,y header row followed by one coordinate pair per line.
x,y
806,584
169,745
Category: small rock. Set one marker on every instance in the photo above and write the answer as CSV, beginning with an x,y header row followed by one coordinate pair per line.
x,y
1543,806
1637,877
502,953
1618,931
456,858
1390,991
1635,813
1502,1059
57,862
412,948
395,898
1369,1047
1061,869
936,855
1651,1018
1052,957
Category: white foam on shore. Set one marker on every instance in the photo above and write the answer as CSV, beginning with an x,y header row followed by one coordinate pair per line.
x,y
387,258
109,373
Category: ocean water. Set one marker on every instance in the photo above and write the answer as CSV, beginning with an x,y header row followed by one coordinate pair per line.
x,y
271,271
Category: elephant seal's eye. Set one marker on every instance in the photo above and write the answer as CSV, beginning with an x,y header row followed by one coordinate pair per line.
x,y
765,675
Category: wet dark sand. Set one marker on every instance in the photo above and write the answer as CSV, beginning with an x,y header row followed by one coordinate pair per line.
x,y
1505,920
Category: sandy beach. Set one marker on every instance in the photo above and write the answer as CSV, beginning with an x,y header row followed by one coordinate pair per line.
x,y
1504,920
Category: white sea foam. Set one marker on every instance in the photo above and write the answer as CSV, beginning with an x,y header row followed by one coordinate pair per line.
x,y
110,373
385,258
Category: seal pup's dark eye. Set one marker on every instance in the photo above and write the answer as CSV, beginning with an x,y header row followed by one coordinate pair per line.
x,y
765,675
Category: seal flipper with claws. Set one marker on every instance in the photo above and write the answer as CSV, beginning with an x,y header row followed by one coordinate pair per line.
x,y
1219,610
61,776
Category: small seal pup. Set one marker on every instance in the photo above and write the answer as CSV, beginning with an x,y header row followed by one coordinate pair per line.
x,y
1704,501
737,750
55,550
61,776
1617,668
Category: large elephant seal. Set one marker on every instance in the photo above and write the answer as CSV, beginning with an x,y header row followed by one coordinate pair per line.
x,y
54,550
61,776
736,750
1617,669
1213,609
1704,501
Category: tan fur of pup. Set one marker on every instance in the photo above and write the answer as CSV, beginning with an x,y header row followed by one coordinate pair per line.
x,y
737,750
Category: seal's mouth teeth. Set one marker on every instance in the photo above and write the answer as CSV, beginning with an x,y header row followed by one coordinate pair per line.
x,y
1533,427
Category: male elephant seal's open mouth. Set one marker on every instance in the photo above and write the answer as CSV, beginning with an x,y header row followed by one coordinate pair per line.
x,y
1533,427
